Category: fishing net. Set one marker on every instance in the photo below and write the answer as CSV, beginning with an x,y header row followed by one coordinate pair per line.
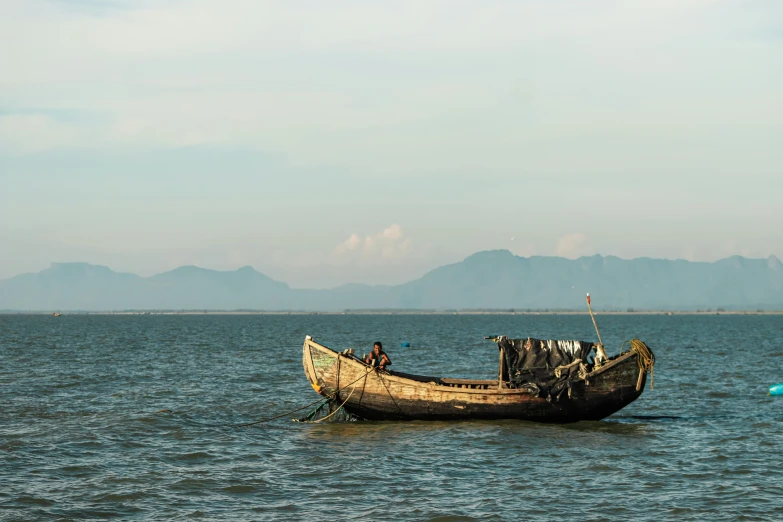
x,y
329,410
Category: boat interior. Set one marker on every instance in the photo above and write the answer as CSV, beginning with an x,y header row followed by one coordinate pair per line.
x,y
474,384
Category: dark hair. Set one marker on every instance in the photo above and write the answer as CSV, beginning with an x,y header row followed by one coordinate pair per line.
x,y
378,344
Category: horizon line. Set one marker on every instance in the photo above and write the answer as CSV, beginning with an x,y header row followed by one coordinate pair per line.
x,y
720,310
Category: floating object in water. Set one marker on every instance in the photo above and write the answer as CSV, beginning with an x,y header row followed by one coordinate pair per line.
x,y
406,345
776,389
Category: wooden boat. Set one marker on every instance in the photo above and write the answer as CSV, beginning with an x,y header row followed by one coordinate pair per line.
x,y
598,390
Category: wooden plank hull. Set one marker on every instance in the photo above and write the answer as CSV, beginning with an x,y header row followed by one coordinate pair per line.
x,y
378,395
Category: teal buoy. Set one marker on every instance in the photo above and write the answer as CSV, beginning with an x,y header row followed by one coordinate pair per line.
x,y
776,389
408,345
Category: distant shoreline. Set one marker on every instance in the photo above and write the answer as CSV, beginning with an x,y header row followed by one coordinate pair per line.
x,y
394,312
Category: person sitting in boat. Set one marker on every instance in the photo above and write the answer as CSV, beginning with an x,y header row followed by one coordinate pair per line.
x,y
378,357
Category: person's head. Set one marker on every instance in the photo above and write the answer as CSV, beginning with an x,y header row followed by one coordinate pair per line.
x,y
377,347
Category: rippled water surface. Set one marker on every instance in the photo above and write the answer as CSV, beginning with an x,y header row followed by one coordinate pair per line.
x,y
82,434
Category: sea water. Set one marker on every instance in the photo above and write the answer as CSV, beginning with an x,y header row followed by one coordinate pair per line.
x,y
129,417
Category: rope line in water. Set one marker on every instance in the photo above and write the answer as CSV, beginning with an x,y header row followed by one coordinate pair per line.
x,y
331,397
277,416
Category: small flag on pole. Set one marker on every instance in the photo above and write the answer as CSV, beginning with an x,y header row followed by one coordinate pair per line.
x,y
588,298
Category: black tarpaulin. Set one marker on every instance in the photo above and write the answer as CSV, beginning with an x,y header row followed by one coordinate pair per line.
x,y
535,361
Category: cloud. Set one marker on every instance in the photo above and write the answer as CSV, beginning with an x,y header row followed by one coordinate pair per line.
x,y
29,133
524,250
443,106
387,246
401,88
572,245
349,245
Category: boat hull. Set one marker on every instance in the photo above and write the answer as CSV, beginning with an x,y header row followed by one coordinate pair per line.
x,y
374,394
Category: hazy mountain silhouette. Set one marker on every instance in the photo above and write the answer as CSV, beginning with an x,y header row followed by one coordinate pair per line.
x,y
81,286
499,279
486,280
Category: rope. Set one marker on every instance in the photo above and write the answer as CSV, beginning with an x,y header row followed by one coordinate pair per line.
x,y
390,394
559,369
364,385
277,416
339,407
646,361
328,398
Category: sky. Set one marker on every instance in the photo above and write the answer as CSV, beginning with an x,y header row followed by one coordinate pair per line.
x,y
371,141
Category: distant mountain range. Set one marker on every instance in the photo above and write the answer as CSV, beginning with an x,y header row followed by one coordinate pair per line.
x,y
486,280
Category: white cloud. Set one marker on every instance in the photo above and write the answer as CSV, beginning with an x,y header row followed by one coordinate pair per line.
x,y
524,250
667,104
572,245
387,246
349,245
29,133
399,88
393,233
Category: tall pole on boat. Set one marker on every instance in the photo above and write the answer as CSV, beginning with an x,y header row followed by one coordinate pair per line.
x,y
593,318
600,356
